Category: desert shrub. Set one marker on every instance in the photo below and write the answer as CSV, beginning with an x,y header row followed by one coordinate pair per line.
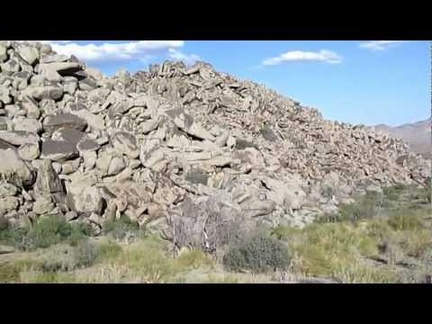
x,y
120,228
405,222
393,192
66,258
4,224
51,230
257,253
39,276
9,272
80,232
285,233
194,259
109,250
366,207
423,195
85,253
207,225
13,236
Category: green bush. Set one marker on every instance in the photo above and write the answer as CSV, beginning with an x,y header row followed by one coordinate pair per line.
x,y
13,237
258,253
405,222
85,253
109,250
393,192
51,230
119,228
366,207
67,258
47,231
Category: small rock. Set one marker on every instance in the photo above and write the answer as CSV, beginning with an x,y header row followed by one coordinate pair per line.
x,y
70,85
7,189
87,145
43,205
8,204
29,151
125,143
71,166
30,54
117,165
27,124
90,158
31,106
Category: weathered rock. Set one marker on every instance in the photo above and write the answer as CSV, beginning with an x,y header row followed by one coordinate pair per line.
x,y
18,138
29,54
258,208
14,169
68,135
90,158
83,198
62,68
10,67
51,123
8,203
31,106
152,156
3,53
58,150
29,151
116,165
54,58
103,162
47,181
31,125
87,145
43,205
4,123
7,189
95,122
70,85
46,92
125,143
71,166
176,139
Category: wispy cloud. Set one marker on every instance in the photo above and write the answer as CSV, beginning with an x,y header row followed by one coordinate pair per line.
x,y
379,45
115,51
303,56
177,55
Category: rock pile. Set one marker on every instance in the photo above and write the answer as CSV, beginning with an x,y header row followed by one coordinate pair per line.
x,y
161,143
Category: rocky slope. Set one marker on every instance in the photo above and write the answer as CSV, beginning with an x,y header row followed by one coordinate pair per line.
x,y
417,135
175,145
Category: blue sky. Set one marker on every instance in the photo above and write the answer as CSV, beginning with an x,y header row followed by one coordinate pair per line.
x,y
357,82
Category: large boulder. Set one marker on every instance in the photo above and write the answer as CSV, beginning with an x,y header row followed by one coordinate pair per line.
x,y
14,169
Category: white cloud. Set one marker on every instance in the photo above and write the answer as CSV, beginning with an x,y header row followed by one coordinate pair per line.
x,y
114,51
177,55
302,56
379,45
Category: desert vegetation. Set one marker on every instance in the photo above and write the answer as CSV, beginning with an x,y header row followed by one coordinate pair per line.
x,y
383,237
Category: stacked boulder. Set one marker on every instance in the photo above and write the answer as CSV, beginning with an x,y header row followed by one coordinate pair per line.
x,y
164,142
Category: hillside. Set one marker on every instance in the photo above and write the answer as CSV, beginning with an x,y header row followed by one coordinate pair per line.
x,y
192,155
417,135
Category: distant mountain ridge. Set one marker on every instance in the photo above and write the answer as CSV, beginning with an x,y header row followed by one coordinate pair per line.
x,y
417,135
